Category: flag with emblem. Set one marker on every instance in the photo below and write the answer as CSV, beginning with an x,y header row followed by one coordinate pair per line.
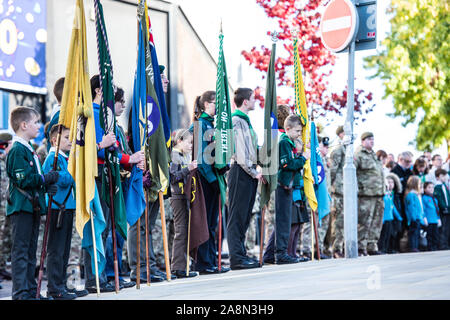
x,y
224,125
269,152
301,110
110,176
318,173
157,141
77,115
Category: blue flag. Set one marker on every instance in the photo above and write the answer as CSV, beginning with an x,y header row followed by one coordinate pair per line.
x,y
318,172
134,197
99,226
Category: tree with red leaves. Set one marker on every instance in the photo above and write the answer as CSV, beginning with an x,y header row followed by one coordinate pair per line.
x,y
316,60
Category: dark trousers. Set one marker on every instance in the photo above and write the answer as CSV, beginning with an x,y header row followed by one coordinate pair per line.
x,y
385,236
293,239
25,232
179,248
109,250
241,198
414,235
89,274
432,236
283,217
59,240
153,211
444,240
206,253
269,253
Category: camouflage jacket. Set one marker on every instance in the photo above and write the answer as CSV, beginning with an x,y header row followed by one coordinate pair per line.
x,y
337,170
369,173
4,183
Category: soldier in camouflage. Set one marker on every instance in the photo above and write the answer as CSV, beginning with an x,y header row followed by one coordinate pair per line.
x,y
5,226
337,191
371,188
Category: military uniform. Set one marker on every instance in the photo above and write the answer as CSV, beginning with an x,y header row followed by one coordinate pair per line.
x,y
5,225
371,188
337,192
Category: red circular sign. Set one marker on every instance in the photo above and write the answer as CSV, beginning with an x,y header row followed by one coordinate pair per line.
x,y
338,25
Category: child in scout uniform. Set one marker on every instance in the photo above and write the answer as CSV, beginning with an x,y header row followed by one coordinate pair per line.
x,y
414,212
290,164
180,167
61,222
26,203
442,194
431,212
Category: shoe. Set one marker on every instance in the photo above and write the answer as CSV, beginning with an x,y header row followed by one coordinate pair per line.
x,y
106,287
112,283
223,269
303,259
161,274
362,252
5,275
209,271
322,256
374,253
41,297
182,274
126,284
286,259
269,261
246,264
63,296
79,293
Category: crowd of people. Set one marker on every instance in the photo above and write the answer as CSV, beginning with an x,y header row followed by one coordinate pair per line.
x,y
397,200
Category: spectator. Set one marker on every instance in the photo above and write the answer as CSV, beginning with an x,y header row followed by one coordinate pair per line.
x,y
436,162
420,168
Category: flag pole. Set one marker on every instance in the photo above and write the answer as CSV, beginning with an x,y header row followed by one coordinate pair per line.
x,y
97,282
188,241
261,237
316,235
138,255
47,221
113,231
164,231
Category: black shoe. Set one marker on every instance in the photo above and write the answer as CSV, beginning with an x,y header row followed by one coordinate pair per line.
x,y
322,256
286,259
223,269
246,264
127,284
374,253
161,274
182,274
63,296
5,275
269,261
106,287
362,252
79,293
303,259
209,271
112,283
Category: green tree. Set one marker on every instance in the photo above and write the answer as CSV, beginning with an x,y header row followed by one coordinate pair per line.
x,y
414,66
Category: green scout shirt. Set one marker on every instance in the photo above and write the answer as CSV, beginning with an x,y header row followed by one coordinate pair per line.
x,y
290,164
23,172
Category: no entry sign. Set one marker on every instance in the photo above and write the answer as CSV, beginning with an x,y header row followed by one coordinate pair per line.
x,y
338,25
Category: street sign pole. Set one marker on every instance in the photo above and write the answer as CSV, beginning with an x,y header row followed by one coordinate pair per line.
x,y
350,183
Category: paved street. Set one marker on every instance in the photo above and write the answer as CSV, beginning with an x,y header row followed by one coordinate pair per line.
x,y
423,275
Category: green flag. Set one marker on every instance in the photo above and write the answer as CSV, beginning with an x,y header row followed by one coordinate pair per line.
x,y
156,151
108,124
268,155
224,126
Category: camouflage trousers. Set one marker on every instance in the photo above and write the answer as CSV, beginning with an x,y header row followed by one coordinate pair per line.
x,y
250,236
337,229
370,222
305,235
269,218
75,248
5,240
157,236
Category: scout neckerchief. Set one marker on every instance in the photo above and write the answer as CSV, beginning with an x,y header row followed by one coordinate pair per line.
x,y
185,160
29,147
242,115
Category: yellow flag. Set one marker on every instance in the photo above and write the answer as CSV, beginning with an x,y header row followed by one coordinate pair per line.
x,y
301,109
77,114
